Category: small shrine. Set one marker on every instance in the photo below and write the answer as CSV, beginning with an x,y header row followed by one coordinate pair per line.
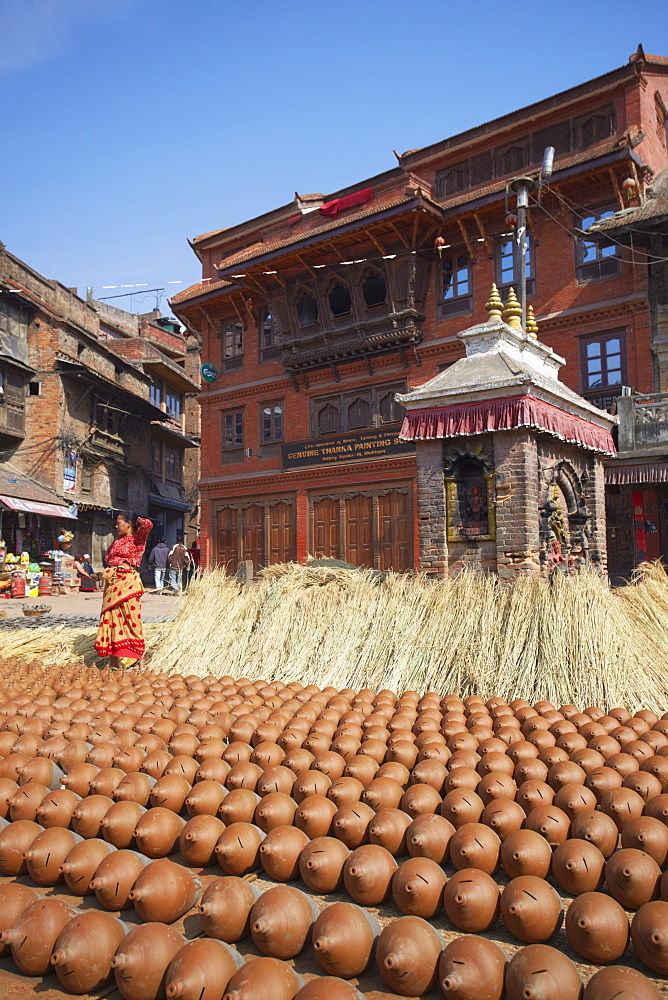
x,y
509,459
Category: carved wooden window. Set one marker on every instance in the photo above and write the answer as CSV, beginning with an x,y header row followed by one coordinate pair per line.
x,y
359,413
506,273
233,346
374,289
173,464
593,127
593,261
373,406
603,361
14,316
453,179
340,301
271,422
86,477
456,286
328,418
307,310
389,411
232,436
269,346
512,159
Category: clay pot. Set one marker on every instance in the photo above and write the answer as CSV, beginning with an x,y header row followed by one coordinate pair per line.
x,y
238,806
310,783
238,848
211,769
417,887
460,806
114,878
225,908
648,835
540,972
531,909
532,794
471,900
345,790
164,891
84,949
429,836
525,852
622,805
420,799
198,839
407,956
367,874
646,785
280,921
361,767
264,977
14,899
134,787
82,862
280,851
429,772
47,853
276,779
186,767
503,817
321,864
26,801
351,822
201,969
597,927
649,934
141,962
578,866
388,829
157,832
205,798
472,968
42,770
551,822
632,878
78,778
107,781
598,829
120,822
328,988
343,939
475,846
574,799
34,934
602,780
383,793
314,816
275,809
619,983
15,840
88,815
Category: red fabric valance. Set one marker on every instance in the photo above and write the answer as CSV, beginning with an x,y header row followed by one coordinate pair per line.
x,y
339,204
502,415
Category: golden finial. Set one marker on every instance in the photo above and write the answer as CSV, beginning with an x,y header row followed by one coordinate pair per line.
x,y
512,313
494,305
532,325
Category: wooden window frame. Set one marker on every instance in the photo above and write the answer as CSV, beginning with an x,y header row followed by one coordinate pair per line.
x,y
177,479
606,262
270,351
343,400
232,344
269,447
606,388
232,451
502,284
459,303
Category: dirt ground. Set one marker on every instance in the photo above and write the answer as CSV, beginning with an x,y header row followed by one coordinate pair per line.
x,y
78,606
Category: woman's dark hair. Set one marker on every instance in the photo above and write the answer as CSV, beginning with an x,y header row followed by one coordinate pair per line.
x,y
78,558
130,516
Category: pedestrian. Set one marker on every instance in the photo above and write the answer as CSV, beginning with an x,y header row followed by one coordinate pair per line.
x,y
178,561
120,631
158,560
85,573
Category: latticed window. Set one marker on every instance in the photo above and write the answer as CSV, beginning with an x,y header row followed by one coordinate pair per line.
x,y
307,310
233,346
339,299
359,413
329,419
270,347
372,406
374,289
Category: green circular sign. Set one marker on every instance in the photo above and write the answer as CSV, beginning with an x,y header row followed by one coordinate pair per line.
x,y
209,372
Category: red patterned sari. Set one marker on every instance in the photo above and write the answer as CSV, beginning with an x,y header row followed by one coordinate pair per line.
x,y
120,631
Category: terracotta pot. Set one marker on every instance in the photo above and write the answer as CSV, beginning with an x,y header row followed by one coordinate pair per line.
x,y
417,887
34,934
472,968
140,964
657,808
82,862
198,839
649,934
532,794
225,907
471,900
88,815
314,816
114,877
321,864
238,848
475,846
84,949
211,769
429,772
157,832
383,793
343,939
351,822
525,852
503,817
238,806
41,770
597,829
201,970
78,778
120,822
578,866
107,781
15,840
622,805
632,878
597,927
275,809
361,767
618,981
540,972
531,909
551,822
649,835
418,800
329,988
14,899
407,955
187,767
367,874
261,978
460,806
205,798
345,790
603,779
429,836
280,851
280,921
26,801
310,783
46,854
164,891
388,829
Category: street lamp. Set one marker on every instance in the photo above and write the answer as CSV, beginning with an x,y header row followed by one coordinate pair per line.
x,y
522,186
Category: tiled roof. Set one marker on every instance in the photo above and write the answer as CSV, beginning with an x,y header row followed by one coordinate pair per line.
x,y
201,288
655,207
15,484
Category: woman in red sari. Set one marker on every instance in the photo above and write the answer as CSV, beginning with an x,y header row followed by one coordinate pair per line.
x,y
120,632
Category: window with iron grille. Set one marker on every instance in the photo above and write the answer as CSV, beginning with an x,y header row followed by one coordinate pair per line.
x,y
233,346
232,436
593,261
603,361
271,422
455,289
504,261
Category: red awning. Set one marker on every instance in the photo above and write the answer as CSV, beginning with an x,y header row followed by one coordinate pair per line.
x,y
503,415
35,507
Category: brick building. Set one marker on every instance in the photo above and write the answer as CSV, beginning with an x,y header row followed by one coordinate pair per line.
x,y
316,313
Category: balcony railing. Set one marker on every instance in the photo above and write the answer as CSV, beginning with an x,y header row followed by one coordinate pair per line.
x,y
643,422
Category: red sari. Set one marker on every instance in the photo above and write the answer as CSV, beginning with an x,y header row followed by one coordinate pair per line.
x,y
120,631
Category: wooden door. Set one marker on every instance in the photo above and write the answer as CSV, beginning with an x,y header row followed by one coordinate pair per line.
x,y
253,535
326,539
395,550
228,538
620,534
281,533
359,530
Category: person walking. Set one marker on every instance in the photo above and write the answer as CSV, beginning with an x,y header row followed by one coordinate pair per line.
x,y
178,561
158,560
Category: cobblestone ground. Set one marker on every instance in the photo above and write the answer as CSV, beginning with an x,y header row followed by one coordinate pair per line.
x,y
78,609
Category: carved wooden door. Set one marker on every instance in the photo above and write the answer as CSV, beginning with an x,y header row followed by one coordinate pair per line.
x,y
620,535
228,538
253,535
359,530
327,528
395,550
281,533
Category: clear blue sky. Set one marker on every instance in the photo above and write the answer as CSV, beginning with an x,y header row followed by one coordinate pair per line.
x,y
131,125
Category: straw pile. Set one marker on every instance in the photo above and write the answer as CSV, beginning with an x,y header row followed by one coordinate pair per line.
x,y
570,640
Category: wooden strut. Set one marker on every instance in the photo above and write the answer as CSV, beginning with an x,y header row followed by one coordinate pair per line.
x,y
376,242
467,242
304,264
489,246
617,189
241,317
394,228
